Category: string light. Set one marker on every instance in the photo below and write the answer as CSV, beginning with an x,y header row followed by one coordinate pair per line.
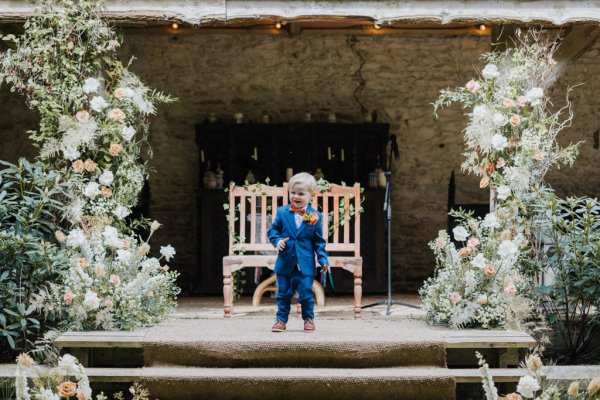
x,y
175,25
482,27
278,25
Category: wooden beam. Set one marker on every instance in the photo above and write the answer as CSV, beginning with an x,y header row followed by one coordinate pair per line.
x,y
575,43
207,12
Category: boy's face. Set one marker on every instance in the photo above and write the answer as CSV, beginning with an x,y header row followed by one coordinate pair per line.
x,y
300,195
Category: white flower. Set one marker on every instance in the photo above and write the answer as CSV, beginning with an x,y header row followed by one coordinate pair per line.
x,y
503,192
70,154
91,190
47,394
111,237
91,85
76,238
167,251
121,211
499,142
124,256
507,249
98,103
69,364
128,132
460,234
527,386
535,95
490,221
479,261
500,119
490,72
91,301
106,178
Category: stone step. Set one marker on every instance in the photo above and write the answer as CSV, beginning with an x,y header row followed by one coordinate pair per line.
x,y
336,344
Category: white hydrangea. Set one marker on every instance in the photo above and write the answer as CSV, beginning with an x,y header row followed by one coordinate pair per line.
x,y
479,261
499,142
91,85
128,132
508,250
47,394
91,190
106,178
527,386
124,256
535,95
98,103
69,365
91,301
167,251
460,234
503,192
490,71
500,119
121,211
490,221
70,153
111,237
76,238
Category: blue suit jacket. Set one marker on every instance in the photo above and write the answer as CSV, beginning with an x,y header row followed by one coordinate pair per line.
x,y
302,245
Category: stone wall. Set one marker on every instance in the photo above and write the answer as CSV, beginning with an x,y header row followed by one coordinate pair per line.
x,y
228,73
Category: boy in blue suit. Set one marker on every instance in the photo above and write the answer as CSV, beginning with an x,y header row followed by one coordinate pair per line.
x,y
297,234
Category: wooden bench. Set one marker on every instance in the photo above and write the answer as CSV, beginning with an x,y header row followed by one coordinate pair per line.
x,y
250,247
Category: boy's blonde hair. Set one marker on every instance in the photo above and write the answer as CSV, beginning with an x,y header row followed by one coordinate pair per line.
x,y
305,178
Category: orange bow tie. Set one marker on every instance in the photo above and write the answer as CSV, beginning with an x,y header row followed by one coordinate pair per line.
x,y
297,210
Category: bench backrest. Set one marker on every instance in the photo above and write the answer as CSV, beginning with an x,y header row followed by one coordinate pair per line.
x,y
252,209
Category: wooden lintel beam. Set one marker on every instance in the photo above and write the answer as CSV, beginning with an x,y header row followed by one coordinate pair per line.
x,y
575,43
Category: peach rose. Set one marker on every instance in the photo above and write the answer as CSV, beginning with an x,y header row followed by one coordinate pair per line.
x,y
484,182
508,103
67,389
515,120
513,396
115,149
522,101
120,93
510,289
463,252
99,270
489,270
68,298
472,86
455,297
82,116
83,263
115,280
77,166
106,191
506,235
539,155
116,114
472,243
500,162
61,237
89,165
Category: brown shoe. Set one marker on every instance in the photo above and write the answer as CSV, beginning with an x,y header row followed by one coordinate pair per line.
x,y
278,327
309,325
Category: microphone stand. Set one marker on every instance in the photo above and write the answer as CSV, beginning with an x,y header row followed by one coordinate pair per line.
x,y
387,207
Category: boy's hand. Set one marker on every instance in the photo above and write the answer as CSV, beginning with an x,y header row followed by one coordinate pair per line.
x,y
325,269
281,244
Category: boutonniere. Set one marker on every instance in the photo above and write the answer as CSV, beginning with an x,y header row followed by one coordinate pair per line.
x,y
311,218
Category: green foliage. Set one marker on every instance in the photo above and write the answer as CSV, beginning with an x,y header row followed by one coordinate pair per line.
x,y
569,231
29,202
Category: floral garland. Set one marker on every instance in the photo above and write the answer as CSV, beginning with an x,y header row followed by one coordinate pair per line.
x,y
511,144
67,380
93,126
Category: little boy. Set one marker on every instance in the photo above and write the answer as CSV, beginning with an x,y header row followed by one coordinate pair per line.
x,y
297,234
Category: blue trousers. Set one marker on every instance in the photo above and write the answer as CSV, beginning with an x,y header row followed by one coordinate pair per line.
x,y
287,285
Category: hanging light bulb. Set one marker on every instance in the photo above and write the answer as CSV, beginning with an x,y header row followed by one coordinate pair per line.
x,y
175,25
278,25
376,26
482,27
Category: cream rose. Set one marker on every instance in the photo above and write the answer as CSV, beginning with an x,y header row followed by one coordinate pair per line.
x,y
116,114
515,120
508,103
510,289
82,116
455,297
115,280
89,165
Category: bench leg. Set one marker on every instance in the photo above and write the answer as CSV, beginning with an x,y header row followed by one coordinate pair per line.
x,y
227,294
261,289
357,292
